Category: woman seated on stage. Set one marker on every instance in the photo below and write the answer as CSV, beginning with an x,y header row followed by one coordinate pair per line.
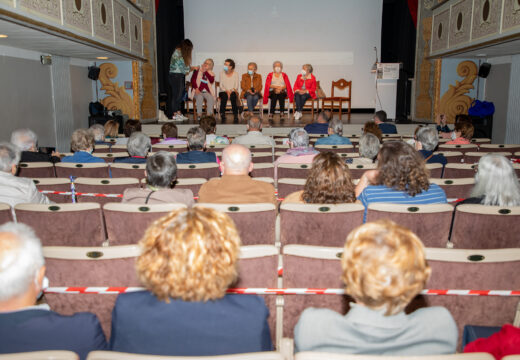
x,y
304,88
203,87
189,259
228,89
251,85
329,182
277,88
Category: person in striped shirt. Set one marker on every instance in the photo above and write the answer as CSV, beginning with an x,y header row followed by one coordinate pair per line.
x,y
401,177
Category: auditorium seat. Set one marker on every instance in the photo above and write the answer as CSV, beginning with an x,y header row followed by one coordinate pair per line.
x,y
215,148
453,157
517,166
93,170
126,223
109,157
353,155
259,148
175,148
335,148
456,171
318,224
486,227
474,157
455,188
262,170
193,184
36,170
103,186
480,141
255,222
262,157
435,170
6,215
430,222
109,266
201,170
114,355
41,355
298,171
329,356
121,170
357,170
511,148
101,149
64,224
287,186
281,148
118,148
54,184
458,147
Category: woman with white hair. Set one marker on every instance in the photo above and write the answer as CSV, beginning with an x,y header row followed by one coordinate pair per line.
x,y
426,141
335,137
138,147
82,144
369,146
304,89
496,183
277,88
27,141
203,87
299,150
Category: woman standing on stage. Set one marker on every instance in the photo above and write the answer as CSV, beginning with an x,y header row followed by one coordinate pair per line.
x,y
180,66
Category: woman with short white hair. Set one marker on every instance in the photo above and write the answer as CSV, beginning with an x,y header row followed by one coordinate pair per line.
x,y
203,87
304,89
138,147
369,146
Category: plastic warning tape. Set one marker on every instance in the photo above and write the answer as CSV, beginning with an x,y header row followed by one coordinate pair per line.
x,y
80,193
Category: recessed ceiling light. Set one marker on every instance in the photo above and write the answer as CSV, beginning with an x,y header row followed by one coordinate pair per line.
x,y
102,58
3,36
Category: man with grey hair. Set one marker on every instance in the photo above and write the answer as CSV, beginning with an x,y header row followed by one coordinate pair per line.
x,y
335,135
27,141
16,190
299,150
196,137
98,131
236,186
254,134
368,149
321,125
25,326
138,147
426,142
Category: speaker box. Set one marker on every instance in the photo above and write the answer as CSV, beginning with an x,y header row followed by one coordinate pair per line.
x,y
93,72
483,70
483,126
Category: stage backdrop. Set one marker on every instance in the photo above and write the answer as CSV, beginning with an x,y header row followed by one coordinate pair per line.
x,y
336,36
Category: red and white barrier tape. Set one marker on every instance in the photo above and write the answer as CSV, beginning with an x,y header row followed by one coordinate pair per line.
x,y
80,194
278,291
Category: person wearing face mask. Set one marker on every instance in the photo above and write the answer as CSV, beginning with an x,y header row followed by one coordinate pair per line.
x,y
202,87
251,85
304,88
228,89
277,88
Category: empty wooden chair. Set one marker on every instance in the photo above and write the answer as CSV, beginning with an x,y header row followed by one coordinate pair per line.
x,y
120,170
93,170
64,224
455,188
55,184
111,186
288,186
486,227
336,99
431,223
318,224
474,157
127,223
456,171
6,214
335,148
201,170
255,222
36,170
453,157
262,170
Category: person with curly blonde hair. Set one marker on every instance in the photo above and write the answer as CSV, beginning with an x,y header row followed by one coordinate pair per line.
x,y
384,268
401,177
329,182
188,261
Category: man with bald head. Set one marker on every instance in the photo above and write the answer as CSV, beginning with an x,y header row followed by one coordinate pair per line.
x,y
236,186
254,134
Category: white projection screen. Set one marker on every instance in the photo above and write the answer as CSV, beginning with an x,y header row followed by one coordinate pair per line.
x,y
336,36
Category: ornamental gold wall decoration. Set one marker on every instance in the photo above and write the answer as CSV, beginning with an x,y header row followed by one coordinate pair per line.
x,y
455,101
118,98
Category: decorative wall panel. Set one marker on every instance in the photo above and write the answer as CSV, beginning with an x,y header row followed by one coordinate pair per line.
x,y
103,22
48,8
118,98
440,31
423,102
136,39
122,25
455,101
77,13
486,18
511,16
460,23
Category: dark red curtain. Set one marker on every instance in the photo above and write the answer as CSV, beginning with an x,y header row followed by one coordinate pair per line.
x,y
412,6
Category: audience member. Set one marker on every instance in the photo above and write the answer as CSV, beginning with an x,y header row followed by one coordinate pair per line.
x,y
401,178
161,173
372,128
189,259
169,133
304,88
505,341
98,131
254,134
442,126
321,125
27,141
384,268
25,326
380,119
13,189
335,135
196,144
236,186
138,147
203,87
277,88
82,144
329,182
209,125
369,146
463,134
426,141
111,129
180,66
299,150
251,85
228,89
496,183
131,126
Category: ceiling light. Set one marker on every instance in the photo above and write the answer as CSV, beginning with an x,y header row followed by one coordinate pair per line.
x,y
102,58
3,36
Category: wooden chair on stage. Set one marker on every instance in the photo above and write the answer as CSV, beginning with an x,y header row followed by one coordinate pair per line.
x,y
332,101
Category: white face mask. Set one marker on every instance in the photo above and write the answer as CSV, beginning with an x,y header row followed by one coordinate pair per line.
x,y
277,69
304,73
453,135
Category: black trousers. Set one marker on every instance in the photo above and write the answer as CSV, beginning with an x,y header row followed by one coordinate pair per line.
x,y
277,97
175,96
224,99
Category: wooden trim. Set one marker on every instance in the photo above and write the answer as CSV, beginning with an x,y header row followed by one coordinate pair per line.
x,y
65,34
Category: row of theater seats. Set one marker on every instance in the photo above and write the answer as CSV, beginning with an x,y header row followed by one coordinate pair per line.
x,y
294,267
438,225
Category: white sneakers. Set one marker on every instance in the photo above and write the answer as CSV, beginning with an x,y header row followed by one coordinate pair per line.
x,y
179,117
298,115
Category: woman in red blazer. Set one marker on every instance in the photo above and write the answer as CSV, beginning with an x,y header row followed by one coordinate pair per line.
x,y
277,88
304,88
